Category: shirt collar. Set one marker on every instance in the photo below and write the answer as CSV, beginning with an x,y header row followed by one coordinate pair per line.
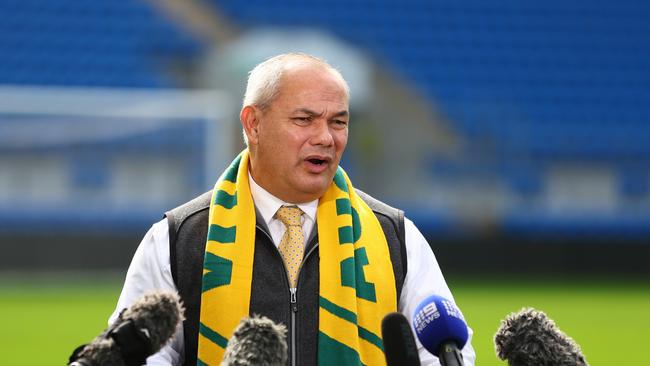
x,y
267,204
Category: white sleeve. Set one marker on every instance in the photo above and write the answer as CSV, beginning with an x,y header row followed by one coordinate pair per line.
x,y
150,271
424,278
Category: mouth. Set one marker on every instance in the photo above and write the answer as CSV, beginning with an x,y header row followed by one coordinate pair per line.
x,y
316,161
317,164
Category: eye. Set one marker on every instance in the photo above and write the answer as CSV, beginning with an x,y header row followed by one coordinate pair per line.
x,y
339,123
301,120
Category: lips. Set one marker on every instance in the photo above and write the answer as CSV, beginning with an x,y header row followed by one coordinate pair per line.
x,y
317,163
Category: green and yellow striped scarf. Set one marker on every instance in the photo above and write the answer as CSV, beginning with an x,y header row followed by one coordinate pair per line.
x,y
357,284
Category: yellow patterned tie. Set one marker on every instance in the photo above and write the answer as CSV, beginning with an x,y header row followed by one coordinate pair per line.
x,y
292,244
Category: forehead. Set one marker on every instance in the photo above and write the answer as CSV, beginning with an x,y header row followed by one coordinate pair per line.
x,y
315,82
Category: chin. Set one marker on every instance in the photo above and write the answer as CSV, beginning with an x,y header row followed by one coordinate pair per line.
x,y
314,186
314,191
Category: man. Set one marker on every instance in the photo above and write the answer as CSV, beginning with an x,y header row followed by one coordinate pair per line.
x,y
284,234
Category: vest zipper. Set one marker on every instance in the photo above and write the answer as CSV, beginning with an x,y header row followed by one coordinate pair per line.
x,y
293,299
294,308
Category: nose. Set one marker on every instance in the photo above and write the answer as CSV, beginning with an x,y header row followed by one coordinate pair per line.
x,y
322,135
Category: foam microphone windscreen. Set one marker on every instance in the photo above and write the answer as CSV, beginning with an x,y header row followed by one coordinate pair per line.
x,y
257,341
530,338
138,332
400,348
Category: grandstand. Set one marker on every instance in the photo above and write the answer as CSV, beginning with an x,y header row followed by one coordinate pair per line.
x,y
529,87
547,102
90,43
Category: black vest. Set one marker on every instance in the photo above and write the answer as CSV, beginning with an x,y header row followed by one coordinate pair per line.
x,y
270,295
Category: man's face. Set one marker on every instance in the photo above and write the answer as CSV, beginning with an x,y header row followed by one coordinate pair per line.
x,y
297,142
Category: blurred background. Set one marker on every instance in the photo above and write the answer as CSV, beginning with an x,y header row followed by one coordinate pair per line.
x,y
515,134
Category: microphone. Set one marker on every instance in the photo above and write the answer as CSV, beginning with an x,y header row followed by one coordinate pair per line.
x,y
257,341
441,328
138,332
399,345
530,338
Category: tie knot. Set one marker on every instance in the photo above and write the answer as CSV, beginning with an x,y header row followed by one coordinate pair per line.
x,y
289,215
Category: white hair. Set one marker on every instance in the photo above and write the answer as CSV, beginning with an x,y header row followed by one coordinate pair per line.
x,y
263,84
264,80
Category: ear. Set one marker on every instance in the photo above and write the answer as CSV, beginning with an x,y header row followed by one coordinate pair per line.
x,y
249,117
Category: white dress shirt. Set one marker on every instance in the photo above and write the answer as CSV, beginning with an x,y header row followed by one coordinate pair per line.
x,y
150,270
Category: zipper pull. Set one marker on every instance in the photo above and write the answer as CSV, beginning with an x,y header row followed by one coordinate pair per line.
x,y
294,300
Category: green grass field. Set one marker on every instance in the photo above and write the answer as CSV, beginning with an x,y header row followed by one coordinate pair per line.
x,y
45,319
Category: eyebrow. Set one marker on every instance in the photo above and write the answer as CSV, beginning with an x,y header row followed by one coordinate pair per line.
x,y
312,113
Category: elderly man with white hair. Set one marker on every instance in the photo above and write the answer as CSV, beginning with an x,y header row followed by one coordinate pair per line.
x,y
285,234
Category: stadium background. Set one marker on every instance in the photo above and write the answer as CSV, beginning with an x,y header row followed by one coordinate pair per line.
x,y
515,134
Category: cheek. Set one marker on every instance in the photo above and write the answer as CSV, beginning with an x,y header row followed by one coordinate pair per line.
x,y
341,140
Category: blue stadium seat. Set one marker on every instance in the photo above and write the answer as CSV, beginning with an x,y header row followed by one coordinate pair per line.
x,y
87,43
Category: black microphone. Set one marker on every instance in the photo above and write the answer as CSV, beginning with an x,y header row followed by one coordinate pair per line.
x,y
400,348
138,332
257,341
530,338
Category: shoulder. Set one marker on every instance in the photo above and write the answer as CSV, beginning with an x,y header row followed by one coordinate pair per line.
x,y
377,206
180,214
385,212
